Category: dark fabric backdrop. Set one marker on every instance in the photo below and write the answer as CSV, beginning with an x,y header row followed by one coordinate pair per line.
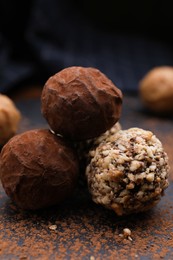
x,y
124,39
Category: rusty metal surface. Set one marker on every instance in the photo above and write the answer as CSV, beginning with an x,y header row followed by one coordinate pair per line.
x,y
84,230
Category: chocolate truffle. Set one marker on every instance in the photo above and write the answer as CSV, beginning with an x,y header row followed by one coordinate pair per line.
x,y
10,118
156,89
38,169
130,173
80,103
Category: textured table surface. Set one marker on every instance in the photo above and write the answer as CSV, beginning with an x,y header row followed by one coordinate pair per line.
x,y
80,229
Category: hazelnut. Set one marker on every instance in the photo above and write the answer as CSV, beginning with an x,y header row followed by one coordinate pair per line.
x,y
156,89
10,117
80,103
38,169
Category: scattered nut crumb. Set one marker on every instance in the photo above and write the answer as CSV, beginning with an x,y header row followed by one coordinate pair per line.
x,y
126,234
53,227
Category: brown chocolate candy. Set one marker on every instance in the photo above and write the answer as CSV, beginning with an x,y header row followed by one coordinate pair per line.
x,y
80,103
38,169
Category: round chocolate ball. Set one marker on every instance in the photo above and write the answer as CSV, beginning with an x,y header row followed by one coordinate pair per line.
x,y
38,169
83,148
80,103
130,173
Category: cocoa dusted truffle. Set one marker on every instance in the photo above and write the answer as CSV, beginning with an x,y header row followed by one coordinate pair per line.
x,y
80,103
130,173
38,169
10,118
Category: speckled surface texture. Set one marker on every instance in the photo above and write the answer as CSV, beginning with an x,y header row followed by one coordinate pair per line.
x,y
80,229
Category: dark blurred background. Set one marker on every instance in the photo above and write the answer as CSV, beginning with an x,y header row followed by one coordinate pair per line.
x,y
124,39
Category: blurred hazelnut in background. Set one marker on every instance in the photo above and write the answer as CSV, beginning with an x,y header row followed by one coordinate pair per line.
x,y
156,89
10,118
89,102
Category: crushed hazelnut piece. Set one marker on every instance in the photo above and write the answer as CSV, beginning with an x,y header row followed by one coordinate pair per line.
x,y
127,233
53,227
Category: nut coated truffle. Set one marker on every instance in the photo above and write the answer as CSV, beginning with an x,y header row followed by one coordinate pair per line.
x,y
156,89
38,169
10,118
128,175
80,103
